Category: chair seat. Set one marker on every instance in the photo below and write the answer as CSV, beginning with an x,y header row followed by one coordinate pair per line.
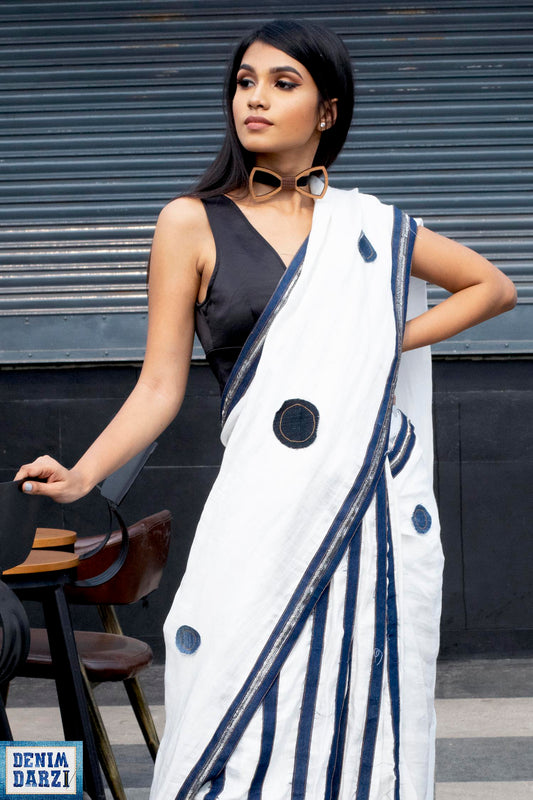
x,y
39,561
51,538
105,656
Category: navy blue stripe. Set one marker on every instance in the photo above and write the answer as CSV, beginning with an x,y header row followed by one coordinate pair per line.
x,y
397,468
246,379
343,679
376,675
216,786
258,330
334,787
361,491
393,657
307,714
270,711
396,229
398,217
398,442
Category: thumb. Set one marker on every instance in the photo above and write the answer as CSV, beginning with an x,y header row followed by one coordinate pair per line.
x,y
33,486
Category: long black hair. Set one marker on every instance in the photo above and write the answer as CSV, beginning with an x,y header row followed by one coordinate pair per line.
x,y
326,58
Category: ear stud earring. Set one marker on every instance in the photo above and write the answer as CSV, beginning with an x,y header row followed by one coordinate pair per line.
x,y
322,124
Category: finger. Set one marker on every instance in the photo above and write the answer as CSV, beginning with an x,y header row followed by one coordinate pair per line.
x,y
36,487
42,467
26,471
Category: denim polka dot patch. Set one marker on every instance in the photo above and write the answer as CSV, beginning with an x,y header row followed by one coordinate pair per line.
x,y
365,248
296,423
421,519
187,639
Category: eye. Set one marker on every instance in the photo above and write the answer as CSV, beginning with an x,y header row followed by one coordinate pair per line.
x,y
245,82
281,83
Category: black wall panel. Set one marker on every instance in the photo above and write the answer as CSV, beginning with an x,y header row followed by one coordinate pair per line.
x,y
484,474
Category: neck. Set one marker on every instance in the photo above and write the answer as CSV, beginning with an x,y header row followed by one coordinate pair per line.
x,y
282,164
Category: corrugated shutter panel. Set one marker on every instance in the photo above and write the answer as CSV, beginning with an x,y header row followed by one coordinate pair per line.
x,y
110,109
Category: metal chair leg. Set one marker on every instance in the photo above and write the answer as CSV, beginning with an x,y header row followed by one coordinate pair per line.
x,y
103,745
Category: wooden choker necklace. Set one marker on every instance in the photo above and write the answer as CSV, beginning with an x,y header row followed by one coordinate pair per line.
x,y
271,183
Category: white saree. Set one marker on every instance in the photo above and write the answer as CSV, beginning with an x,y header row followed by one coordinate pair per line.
x,y
301,644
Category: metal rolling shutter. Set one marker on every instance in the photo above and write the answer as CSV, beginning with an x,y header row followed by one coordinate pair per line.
x,y
110,109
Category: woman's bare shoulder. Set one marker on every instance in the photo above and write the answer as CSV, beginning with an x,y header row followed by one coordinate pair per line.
x,y
183,214
183,236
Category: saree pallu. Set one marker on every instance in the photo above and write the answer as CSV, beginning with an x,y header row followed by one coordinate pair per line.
x,y
301,644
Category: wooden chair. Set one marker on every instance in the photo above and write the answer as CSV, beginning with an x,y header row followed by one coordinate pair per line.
x,y
112,656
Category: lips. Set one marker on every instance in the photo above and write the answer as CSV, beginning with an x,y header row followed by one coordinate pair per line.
x,y
256,123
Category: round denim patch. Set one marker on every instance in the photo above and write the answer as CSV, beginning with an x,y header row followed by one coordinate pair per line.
x,y
296,423
421,519
187,639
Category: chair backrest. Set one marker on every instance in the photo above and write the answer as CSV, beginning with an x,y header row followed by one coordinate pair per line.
x,y
149,542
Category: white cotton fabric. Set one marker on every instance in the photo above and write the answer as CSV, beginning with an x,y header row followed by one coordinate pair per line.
x,y
332,344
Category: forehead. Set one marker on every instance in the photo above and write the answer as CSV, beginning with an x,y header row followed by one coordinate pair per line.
x,y
262,56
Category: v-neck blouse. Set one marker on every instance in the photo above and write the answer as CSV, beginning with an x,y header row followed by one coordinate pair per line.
x,y
246,273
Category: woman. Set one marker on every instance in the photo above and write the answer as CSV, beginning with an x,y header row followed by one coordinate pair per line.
x,y
301,645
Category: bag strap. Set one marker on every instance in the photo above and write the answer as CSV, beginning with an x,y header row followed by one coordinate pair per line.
x,y
113,568
114,489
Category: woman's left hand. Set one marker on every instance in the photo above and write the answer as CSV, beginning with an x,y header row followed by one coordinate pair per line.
x,y
46,476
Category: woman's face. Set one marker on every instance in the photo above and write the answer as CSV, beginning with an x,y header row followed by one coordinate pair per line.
x,y
276,107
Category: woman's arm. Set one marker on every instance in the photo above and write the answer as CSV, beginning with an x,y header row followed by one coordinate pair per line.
x,y
479,290
175,270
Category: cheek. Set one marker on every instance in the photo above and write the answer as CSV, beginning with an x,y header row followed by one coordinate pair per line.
x,y
304,117
308,109
237,104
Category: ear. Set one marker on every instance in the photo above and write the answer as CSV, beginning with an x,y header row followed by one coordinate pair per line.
x,y
327,115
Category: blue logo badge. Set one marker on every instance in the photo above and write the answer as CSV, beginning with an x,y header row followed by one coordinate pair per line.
x,y
38,770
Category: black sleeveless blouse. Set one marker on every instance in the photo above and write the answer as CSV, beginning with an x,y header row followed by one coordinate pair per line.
x,y
246,273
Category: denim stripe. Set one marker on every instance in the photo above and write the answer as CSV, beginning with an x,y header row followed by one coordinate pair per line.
x,y
307,714
399,440
393,657
403,242
344,676
405,454
376,675
403,446
217,785
270,710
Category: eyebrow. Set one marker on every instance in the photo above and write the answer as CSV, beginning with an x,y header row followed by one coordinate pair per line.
x,y
273,70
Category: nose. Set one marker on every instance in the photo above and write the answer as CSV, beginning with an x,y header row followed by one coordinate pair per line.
x,y
258,97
